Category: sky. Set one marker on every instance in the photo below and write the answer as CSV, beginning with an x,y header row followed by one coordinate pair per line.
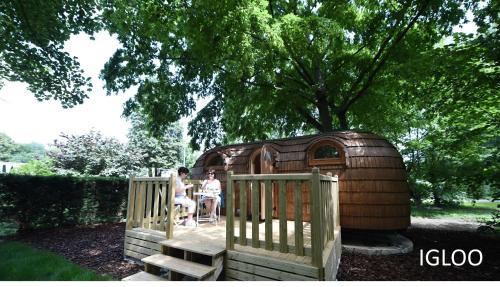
x,y
26,120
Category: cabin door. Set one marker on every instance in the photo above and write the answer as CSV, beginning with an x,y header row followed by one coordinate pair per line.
x,y
267,160
255,168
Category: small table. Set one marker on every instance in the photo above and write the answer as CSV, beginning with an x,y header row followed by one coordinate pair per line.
x,y
205,218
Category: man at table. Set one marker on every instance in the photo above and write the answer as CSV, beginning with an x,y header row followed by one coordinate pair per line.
x,y
181,196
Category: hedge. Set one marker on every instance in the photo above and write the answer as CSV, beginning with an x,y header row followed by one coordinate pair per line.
x,y
36,202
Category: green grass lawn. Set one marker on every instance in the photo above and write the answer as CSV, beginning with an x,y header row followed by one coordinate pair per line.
x,y
21,262
480,211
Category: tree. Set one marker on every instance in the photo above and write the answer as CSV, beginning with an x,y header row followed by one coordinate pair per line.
x,y
28,152
7,147
33,34
287,66
451,112
154,152
92,154
36,167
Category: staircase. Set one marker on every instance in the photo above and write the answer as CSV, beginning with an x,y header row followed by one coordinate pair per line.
x,y
183,260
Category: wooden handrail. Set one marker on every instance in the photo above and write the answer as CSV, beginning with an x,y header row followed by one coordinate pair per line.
x,y
149,198
324,211
316,231
280,176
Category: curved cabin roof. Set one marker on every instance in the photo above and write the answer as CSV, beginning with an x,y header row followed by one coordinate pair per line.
x,y
293,152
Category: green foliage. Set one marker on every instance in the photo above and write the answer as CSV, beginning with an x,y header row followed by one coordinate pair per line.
x,y
36,167
191,156
285,66
155,152
448,115
48,201
12,151
7,147
33,34
20,262
28,152
478,212
93,154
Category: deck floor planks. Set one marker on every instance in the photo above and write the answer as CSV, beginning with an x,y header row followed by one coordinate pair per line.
x,y
216,234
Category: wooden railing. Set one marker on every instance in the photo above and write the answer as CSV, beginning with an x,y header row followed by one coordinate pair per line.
x,y
324,211
150,198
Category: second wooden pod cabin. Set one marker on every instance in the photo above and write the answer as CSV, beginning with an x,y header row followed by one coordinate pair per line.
x,y
374,193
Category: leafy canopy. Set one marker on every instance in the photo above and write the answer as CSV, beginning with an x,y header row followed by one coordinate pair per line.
x,y
154,152
33,34
92,154
283,66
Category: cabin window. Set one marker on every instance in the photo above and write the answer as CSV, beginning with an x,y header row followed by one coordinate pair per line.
x,y
215,161
326,153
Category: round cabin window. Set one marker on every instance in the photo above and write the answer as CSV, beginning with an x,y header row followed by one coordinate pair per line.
x,y
215,161
326,153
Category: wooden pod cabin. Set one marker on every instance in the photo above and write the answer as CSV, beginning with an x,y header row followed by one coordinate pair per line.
x,y
374,193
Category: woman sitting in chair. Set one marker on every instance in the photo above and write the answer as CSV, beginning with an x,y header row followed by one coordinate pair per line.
x,y
213,188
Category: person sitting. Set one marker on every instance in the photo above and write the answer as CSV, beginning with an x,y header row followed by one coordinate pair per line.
x,y
181,196
211,186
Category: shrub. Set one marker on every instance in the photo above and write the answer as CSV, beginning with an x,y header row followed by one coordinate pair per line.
x,y
49,201
36,167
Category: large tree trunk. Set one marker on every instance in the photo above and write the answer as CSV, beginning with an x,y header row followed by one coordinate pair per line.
x,y
325,116
342,117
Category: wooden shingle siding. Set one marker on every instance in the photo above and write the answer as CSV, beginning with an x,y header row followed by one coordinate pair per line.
x,y
389,210
394,198
372,180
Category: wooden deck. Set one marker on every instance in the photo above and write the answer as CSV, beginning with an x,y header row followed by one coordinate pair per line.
x,y
261,264
215,235
270,249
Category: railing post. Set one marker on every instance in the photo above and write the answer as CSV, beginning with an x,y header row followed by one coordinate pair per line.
x,y
130,203
230,212
269,214
299,229
243,213
336,203
331,208
283,216
255,213
170,202
316,234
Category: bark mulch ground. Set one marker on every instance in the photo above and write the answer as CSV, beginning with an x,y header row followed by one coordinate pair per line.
x,y
407,266
100,248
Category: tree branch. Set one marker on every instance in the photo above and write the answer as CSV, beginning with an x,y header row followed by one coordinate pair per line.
x,y
398,39
301,69
309,119
379,52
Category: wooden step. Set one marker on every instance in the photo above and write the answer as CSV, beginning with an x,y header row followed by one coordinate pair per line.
x,y
204,248
192,269
144,276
